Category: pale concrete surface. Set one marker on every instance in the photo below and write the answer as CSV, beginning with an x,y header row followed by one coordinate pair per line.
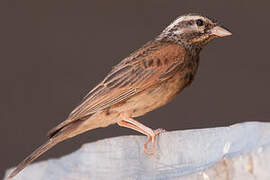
x,y
240,151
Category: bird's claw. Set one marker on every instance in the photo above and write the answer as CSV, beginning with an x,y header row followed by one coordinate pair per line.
x,y
152,138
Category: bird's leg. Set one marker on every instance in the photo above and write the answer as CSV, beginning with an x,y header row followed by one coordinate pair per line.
x,y
135,125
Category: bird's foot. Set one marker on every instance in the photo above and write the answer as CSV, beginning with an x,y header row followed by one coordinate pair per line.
x,y
152,138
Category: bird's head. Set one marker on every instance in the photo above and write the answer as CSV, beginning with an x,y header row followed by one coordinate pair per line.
x,y
193,31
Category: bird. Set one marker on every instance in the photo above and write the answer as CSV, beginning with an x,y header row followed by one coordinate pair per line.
x,y
147,79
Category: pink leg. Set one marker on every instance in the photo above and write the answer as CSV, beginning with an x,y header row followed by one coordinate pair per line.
x,y
135,125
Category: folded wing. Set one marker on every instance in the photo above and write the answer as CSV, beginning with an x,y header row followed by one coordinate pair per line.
x,y
152,64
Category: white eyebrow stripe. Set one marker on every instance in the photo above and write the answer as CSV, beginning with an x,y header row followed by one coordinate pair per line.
x,y
183,18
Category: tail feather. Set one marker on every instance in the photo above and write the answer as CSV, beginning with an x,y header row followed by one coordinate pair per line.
x,y
52,132
34,155
69,131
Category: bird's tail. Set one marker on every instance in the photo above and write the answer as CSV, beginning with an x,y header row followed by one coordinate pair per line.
x,y
65,133
34,155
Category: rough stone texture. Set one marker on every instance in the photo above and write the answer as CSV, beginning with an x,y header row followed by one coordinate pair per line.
x,y
248,166
240,151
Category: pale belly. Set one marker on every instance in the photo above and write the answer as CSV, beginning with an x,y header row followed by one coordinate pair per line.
x,y
142,103
153,97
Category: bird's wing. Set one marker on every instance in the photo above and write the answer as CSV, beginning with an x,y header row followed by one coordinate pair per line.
x,y
152,64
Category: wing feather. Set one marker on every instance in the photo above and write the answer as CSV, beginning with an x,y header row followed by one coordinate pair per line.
x,y
152,64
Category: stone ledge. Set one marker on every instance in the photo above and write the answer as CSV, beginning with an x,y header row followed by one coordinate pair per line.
x,y
234,152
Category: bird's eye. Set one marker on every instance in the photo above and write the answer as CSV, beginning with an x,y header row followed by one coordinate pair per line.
x,y
199,22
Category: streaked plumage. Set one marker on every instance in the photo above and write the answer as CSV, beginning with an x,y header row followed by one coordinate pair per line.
x,y
147,79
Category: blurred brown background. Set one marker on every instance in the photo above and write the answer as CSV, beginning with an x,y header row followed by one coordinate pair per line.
x,y
53,52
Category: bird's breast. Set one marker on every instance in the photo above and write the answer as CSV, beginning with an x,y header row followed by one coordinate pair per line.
x,y
155,96
160,93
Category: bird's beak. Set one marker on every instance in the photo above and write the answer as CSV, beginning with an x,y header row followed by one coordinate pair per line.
x,y
220,32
